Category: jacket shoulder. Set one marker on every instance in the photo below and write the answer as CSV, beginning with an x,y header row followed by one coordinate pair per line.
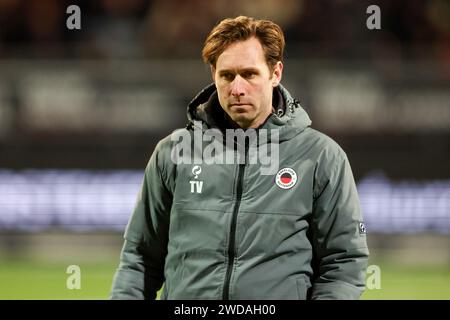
x,y
163,159
165,144
326,148
330,161
164,148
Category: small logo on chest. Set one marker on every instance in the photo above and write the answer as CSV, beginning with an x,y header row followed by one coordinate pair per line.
x,y
286,178
196,185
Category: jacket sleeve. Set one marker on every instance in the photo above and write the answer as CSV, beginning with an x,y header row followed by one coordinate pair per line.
x,y
338,239
141,270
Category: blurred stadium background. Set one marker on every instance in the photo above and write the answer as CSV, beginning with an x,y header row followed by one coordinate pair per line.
x,y
81,111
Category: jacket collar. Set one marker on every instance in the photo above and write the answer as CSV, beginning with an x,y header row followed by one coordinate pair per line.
x,y
289,117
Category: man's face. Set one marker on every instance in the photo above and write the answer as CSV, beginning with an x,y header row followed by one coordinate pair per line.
x,y
245,83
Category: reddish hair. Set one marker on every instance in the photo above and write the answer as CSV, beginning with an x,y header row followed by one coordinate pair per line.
x,y
241,28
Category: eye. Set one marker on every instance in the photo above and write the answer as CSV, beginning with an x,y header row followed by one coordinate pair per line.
x,y
227,76
248,74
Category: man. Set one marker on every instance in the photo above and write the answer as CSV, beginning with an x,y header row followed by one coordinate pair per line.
x,y
228,230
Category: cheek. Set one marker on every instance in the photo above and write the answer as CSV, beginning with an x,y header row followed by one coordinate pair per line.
x,y
222,93
223,97
222,90
263,91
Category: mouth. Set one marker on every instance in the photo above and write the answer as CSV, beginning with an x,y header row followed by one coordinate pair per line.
x,y
239,104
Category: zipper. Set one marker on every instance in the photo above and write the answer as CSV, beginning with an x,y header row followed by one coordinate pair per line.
x,y
232,242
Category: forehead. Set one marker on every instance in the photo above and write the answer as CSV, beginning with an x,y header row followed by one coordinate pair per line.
x,y
242,54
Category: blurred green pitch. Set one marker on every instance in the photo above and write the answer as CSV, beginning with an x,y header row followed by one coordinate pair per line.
x,y
27,279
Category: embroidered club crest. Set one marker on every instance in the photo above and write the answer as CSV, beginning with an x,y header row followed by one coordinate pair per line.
x,y
286,178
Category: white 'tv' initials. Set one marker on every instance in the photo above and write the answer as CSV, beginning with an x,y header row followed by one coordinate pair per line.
x,y
196,186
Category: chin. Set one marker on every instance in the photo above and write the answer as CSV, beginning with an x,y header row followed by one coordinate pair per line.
x,y
241,118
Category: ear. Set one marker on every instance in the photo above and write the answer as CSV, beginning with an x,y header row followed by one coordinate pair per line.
x,y
277,73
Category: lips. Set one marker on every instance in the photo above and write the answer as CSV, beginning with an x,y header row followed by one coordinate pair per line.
x,y
239,104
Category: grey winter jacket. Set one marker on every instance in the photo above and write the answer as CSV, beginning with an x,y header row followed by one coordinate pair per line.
x,y
226,231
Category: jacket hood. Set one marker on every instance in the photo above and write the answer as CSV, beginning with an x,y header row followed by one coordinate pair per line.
x,y
290,118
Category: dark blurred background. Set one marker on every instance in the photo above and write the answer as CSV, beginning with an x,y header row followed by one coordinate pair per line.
x,y
102,96
81,111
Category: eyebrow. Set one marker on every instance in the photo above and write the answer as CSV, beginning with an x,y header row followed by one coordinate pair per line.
x,y
242,70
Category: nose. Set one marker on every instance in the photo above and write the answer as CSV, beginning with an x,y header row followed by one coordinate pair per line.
x,y
237,87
